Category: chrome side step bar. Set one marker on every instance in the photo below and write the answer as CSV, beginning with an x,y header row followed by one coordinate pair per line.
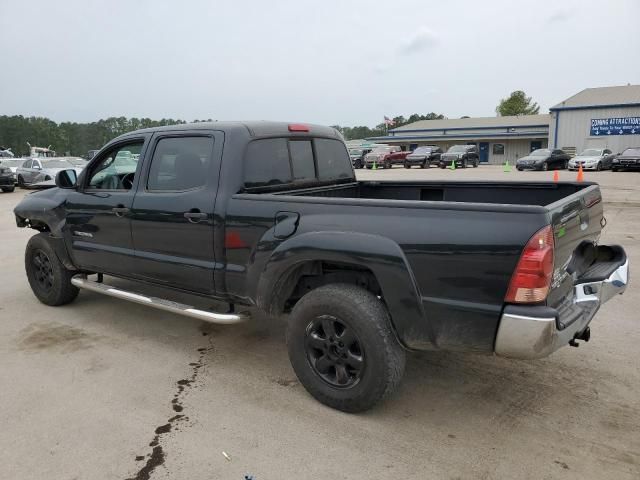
x,y
82,281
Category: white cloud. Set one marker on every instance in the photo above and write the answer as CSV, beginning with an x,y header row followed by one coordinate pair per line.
x,y
420,40
559,17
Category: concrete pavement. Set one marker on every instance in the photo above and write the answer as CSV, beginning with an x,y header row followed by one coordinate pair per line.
x,y
96,390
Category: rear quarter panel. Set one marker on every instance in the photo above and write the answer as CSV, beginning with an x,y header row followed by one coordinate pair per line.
x,y
460,260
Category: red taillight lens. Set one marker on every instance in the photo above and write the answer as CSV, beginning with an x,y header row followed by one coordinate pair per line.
x,y
532,278
298,127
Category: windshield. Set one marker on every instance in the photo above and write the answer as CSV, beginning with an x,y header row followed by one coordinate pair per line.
x,y
11,163
591,152
457,149
355,151
422,150
381,150
631,151
541,152
55,164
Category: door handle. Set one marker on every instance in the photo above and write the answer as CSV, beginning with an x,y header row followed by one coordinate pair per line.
x,y
120,210
194,216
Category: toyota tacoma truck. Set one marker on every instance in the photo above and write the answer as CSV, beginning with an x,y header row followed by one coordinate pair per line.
x,y
270,217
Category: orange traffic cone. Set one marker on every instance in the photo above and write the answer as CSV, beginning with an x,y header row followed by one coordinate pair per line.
x,y
580,177
556,176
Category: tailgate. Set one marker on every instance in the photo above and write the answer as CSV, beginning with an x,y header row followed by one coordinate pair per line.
x,y
577,221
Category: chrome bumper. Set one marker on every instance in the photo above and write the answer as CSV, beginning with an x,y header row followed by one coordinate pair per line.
x,y
529,337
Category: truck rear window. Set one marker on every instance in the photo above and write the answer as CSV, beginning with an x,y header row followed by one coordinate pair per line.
x,y
281,161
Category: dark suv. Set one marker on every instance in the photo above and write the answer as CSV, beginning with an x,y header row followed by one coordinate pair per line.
x,y
423,156
463,155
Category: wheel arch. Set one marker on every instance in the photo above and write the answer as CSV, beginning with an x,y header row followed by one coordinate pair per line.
x,y
368,254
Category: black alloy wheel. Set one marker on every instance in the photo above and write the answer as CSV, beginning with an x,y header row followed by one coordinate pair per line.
x,y
43,270
334,351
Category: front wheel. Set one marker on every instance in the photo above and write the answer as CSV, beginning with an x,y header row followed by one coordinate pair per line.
x,y
475,163
545,166
20,181
8,189
464,163
407,165
342,347
424,164
50,281
599,166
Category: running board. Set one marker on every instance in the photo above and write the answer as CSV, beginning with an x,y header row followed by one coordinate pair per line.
x,y
159,303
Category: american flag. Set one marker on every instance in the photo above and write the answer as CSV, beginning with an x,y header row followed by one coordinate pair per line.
x,y
388,121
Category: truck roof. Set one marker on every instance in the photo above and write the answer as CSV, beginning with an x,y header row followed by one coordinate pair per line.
x,y
255,128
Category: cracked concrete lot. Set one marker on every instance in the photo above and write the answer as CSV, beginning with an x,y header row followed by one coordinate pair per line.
x,y
105,389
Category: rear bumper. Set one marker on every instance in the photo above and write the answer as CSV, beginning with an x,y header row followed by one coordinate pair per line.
x,y
533,332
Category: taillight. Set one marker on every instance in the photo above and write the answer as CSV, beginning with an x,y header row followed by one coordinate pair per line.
x,y
532,278
298,127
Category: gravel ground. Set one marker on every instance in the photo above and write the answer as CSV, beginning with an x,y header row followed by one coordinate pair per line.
x,y
105,389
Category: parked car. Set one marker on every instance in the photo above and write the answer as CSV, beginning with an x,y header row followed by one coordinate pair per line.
x,y
7,179
12,164
628,159
423,156
77,161
357,156
544,159
385,157
35,170
592,159
6,153
91,154
463,155
271,216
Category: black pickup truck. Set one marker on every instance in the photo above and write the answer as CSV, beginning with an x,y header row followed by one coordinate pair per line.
x,y
270,216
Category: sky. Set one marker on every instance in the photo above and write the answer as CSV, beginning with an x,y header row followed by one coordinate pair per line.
x,y
329,62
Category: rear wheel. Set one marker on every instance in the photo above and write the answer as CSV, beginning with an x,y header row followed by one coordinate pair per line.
x,y
442,165
565,164
614,169
342,347
424,164
407,165
50,281
20,181
8,189
464,163
545,166
387,164
599,166
475,163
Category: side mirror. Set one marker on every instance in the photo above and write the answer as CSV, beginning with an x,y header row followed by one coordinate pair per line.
x,y
66,179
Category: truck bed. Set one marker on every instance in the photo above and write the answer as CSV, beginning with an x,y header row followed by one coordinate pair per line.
x,y
506,193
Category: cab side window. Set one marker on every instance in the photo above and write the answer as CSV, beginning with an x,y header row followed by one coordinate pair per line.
x,y
116,170
180,164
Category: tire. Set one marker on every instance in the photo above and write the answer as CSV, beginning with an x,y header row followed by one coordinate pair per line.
x,y
565,165
545,167
519,169
8,189
424,164
476,163
406,165
50,281
317,356
614,169
442,165
464,163
599,166
20,181
387,164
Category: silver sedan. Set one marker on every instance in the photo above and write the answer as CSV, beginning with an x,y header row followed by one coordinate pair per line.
x,y
35,170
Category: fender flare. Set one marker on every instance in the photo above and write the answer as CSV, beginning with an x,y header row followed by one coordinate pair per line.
x,y
378,254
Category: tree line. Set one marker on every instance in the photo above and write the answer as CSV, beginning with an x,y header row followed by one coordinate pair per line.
x,y
71,138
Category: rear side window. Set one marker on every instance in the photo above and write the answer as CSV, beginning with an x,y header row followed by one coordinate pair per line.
x,y
302,159
180,163
333,160
267,163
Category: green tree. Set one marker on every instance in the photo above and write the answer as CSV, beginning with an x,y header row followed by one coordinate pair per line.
x,y
517,104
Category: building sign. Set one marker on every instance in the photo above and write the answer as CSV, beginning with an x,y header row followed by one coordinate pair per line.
x,y
615,126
